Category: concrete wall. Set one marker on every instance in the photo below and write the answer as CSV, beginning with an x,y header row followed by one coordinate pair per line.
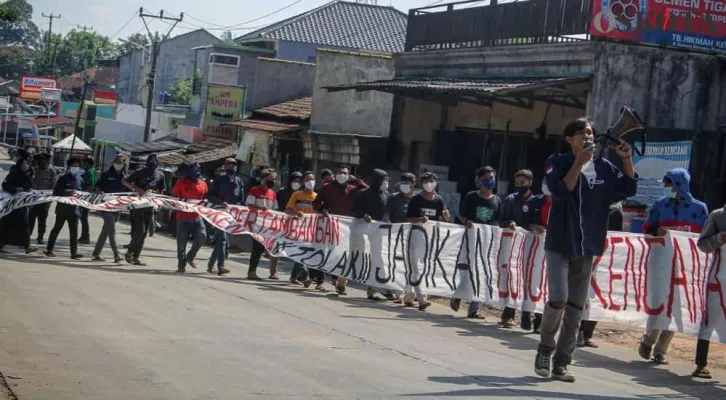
x,y
668,88
161,122
278,81
118,131
130,76
303,52
365,113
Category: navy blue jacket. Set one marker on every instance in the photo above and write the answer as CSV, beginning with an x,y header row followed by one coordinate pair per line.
x,y
66,184
231,192
111,182
578,221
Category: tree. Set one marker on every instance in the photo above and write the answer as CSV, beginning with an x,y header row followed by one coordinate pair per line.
x,y
79,50
20,30
132,43
181,92
227,37
9,13
14,62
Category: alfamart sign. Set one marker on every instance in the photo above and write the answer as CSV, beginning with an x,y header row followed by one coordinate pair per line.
x,y
31,86
637,276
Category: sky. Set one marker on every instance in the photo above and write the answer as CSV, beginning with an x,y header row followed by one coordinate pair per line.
x,y
119,18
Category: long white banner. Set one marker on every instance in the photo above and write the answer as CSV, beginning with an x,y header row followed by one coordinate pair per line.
x,y
637,276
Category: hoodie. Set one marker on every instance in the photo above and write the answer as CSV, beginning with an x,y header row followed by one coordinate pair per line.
x,y
682,213
338,199
372,201
578,221
283,195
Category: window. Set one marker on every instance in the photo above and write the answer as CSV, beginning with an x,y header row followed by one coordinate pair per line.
x,y
224,59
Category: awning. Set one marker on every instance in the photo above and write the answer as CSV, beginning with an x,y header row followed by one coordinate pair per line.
x,y
264,126
336,147
65,145
52,121
515,92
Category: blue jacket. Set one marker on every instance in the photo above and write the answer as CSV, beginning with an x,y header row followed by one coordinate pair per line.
x,y
684,214
63,187
578,221
111,182
231,192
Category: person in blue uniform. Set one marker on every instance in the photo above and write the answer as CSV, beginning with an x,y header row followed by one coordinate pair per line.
x,y
582,190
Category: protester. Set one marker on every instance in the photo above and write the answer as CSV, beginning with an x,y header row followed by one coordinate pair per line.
x,y
43,179
677,211
370,205
299,204
283,195
67,186
480,206
191,187
144,181
536,217
337,198
14,227
582,190
261,198
514,209
326,176
228,189
397,211
111,182
423,207
89,184
712,238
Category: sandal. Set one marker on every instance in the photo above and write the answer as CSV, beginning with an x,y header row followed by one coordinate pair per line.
x,y
591,344
507,323
702,372
476,315
455,304
660,359
321,288
409,304
375,297
139,263
275,277
399,300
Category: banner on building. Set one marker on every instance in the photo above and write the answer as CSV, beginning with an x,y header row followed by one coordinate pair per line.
x,y
665,278
224,104
659,158
104,97
695,25
31,86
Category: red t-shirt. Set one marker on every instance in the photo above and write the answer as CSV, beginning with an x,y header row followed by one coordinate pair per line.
x,y
189,190
545,214
262,198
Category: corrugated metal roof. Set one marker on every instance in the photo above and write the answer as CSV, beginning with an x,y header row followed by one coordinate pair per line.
x,y
342,24
297,109
265,126
150,147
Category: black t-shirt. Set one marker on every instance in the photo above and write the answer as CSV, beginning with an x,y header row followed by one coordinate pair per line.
x,y
148,179
480,210
421,207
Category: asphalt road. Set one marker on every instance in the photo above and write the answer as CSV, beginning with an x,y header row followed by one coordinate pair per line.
x,y
80,330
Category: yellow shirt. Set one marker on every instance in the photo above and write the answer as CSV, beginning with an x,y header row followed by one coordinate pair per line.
x,y
302,201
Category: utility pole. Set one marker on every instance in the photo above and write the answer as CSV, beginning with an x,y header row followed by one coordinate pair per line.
x,y
85,28
155,47
85,60
50,17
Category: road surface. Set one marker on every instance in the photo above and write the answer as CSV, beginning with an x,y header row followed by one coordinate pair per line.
x,y
80,330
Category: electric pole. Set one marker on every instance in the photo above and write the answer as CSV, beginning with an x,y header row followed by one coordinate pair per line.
x,y
155,47
50,17
85,28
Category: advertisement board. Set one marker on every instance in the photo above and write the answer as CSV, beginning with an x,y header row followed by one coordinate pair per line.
x,y
31,86
659,158
224,104
104,97
698,25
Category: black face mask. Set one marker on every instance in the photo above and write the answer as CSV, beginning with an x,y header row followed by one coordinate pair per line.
x,y
270,184
522,189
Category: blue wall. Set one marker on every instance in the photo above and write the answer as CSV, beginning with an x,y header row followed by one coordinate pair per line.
x,y
102,111
303,52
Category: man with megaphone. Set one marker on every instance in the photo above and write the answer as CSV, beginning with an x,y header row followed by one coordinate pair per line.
x,y
582,188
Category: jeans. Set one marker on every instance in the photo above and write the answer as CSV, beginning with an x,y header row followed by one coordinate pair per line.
x,y
569,283
61,220
219,254
108,231
85,233
39,212
199,236
140,221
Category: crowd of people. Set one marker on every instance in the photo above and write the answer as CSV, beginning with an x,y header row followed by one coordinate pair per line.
x,y
575,208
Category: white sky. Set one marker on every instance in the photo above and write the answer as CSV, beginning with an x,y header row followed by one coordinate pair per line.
x,y
108,17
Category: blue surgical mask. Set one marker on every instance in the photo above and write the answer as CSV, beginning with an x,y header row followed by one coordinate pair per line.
x,y
488,183
668,192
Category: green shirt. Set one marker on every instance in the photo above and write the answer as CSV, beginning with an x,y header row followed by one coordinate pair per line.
x,y
90,178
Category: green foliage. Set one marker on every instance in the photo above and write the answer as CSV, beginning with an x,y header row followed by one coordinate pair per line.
x,y
19,30
181,92
79,49
14,62
9,13
227,37
132,43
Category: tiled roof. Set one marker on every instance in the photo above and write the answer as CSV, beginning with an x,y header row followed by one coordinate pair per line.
x,y
265,126
43,121
209,149
297,109
100,76
483,86
149,147
342,24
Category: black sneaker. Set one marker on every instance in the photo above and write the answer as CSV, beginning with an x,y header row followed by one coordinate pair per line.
x,y
542,364
560,373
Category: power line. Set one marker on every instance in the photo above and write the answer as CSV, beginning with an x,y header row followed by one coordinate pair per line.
x,y
122,27
50,17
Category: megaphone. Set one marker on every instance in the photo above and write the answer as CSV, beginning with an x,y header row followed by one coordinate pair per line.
x,y
627,122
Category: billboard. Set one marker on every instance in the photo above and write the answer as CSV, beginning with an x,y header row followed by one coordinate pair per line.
x,y
31,86
224,104
659,158
104,96
698,25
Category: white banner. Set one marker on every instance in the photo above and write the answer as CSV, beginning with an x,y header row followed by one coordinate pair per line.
x,y
638,276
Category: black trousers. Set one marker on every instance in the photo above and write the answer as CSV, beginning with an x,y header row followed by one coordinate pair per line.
x,y
702,353
140,222
257,251
85,230
509,313
38,212
588,329
61,220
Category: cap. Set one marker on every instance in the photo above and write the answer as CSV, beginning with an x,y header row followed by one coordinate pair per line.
x,y
230,160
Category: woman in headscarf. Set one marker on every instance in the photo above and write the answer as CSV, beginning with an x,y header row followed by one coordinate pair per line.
x,y
14,226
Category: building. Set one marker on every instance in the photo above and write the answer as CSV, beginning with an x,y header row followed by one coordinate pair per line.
x,y
175,61
102,77
338,25
496,84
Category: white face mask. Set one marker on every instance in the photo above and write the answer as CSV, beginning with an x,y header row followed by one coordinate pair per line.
x,y
295,186
405,188
429,186
545,189
310,185
384,186
75,170
118,167
341,178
